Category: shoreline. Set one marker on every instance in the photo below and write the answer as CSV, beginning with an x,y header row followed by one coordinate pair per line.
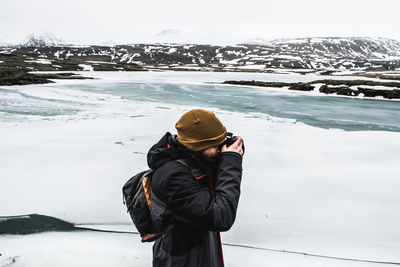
x,y
341,88
19,77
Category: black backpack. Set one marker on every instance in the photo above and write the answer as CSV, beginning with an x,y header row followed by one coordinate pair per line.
x,y
137,198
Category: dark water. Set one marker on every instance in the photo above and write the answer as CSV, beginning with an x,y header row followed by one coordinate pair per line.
x,y
38,223
32,223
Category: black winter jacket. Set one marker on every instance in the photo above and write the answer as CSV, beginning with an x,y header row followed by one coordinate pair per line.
x,y
192,203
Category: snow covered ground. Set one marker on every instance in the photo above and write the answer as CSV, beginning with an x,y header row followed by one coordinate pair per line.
x,y
307,189
65,249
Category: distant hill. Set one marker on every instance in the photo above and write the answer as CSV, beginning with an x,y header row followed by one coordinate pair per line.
x,y
340,47
301,54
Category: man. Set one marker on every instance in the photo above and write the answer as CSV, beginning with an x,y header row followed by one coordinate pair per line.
x,y
195,191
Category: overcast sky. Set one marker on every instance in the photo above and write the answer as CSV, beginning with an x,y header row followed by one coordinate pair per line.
x,y
206,21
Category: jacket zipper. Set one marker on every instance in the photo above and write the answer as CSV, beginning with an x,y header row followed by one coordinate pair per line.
x,y
219,234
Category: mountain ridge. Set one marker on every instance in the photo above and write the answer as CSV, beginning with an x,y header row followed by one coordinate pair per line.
x,y
304,54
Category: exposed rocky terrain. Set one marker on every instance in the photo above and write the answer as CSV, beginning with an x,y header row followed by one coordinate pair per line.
x,y
388,90
366,56
305,55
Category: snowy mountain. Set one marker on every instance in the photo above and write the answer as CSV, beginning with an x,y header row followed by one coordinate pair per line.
x,y
302,54
168,33
256,41
172,36
42,39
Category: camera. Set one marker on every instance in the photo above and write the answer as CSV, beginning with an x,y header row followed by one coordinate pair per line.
x,y
230,139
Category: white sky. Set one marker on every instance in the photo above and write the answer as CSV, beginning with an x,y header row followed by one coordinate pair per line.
x,y
206,21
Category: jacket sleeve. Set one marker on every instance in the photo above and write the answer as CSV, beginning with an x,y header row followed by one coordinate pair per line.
x,y
193,203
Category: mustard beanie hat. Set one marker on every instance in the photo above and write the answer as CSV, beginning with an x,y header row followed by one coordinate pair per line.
x,y
200,129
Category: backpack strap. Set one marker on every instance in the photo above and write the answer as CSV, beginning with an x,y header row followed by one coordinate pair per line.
x,y
146,184
196,172
183,162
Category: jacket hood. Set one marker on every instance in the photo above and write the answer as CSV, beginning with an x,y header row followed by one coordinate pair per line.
x,y
167,149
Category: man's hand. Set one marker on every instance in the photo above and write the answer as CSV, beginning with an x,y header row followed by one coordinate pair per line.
x,y
235,147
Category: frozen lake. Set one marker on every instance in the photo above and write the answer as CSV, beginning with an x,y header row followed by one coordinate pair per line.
x,y
352,114
320,175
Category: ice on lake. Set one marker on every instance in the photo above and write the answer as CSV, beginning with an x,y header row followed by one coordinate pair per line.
x,y
320,172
